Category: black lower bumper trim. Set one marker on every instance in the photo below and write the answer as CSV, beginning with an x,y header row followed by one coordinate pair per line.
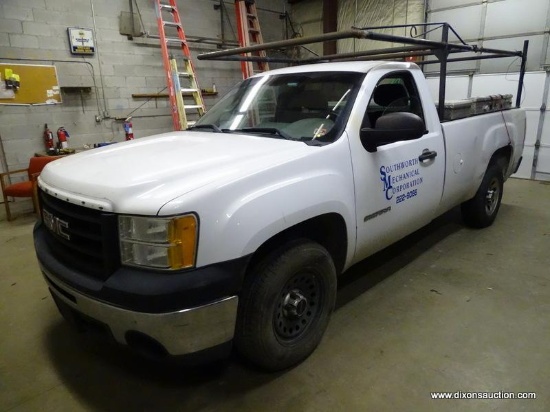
x,y
147,291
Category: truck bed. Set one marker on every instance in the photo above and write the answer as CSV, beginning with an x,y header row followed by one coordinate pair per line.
x,y
469,140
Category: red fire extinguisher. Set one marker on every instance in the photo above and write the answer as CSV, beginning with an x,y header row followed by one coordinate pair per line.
x,y
129,132
62,136
48,138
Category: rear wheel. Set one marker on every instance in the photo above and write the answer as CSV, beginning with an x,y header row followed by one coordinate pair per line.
x,y
285,305
482,209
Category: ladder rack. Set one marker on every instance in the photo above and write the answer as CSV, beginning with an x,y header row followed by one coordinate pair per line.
x,y
417,46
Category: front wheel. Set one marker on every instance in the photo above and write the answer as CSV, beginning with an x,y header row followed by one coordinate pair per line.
x,y
482,209
285,305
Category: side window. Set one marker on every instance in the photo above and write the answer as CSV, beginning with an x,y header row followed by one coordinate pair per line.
x,y
396,92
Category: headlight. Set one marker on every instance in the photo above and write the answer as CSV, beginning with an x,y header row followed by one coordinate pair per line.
x,y
162,243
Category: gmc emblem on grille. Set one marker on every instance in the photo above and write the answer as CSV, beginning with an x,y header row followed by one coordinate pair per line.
x,y
55,224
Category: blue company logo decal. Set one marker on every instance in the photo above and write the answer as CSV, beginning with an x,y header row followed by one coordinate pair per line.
x,y
386,180
400,178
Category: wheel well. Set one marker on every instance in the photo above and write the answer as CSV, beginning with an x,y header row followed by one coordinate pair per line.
x,y
502,156
328,230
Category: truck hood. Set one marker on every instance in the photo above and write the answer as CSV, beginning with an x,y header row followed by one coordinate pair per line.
x,y
141,176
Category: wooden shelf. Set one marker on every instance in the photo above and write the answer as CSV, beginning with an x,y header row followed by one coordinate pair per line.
x,y
165,95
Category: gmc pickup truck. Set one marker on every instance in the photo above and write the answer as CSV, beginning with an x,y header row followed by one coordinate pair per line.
x,y
234,232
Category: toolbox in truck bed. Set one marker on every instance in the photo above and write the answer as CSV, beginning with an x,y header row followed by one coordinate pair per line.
x,y
459,109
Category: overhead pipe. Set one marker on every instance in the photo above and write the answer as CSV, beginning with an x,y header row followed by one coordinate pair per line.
x,y
401,52
367,53
463,59
358,34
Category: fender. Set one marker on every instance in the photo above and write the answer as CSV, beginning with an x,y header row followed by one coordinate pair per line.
x,y
505,133
516,120
470,145
305,205
494,139
238,216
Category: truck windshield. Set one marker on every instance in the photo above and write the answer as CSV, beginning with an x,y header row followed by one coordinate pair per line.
x,y
297,106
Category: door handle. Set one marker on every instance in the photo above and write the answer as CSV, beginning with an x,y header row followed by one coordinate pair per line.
x,y
427,155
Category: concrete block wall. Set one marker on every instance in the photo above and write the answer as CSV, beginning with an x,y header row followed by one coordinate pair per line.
x,y
35,32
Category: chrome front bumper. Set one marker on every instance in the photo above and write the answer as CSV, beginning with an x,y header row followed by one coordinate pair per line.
x,y
180,333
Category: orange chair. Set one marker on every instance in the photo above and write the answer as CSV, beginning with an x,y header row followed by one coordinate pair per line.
x,y
28,187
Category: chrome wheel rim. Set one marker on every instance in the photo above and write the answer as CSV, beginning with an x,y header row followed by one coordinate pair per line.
x,y
492,196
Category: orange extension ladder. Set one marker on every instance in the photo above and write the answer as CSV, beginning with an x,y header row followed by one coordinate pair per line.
x,y
248,27
178,106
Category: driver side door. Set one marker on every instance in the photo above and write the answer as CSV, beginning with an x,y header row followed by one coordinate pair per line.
x,y
397,190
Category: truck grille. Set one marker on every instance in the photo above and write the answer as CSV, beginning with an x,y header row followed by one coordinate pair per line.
x,y
81,238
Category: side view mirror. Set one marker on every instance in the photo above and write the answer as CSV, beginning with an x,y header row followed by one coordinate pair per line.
x,y
392,127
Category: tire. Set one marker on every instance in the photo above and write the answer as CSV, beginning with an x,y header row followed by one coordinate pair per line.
x,y
285,305
482,209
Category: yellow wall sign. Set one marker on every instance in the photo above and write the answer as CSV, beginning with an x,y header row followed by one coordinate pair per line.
x,y
81,40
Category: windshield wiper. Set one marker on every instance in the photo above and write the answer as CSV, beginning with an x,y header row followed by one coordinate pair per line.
x,y
269,130
206,126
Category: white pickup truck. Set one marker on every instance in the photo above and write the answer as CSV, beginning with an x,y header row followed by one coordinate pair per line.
x,y
234,232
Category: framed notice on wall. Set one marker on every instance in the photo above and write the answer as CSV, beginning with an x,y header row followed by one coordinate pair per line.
x,y
81,40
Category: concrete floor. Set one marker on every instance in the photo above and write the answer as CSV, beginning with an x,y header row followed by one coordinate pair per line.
x,y
447,309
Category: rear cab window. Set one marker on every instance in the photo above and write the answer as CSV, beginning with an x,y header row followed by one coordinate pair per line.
x,y
395,92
